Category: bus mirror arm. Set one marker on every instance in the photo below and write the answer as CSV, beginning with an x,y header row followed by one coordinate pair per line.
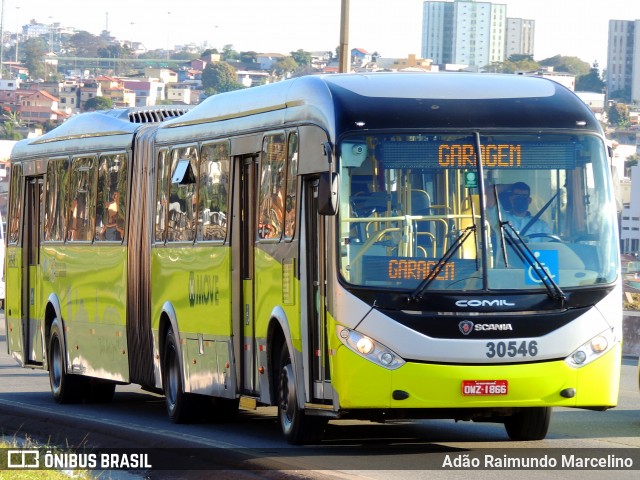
x,y
328,193
328,152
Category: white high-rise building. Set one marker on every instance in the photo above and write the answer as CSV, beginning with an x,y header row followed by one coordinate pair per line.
x,y
465,32
519,37
623,59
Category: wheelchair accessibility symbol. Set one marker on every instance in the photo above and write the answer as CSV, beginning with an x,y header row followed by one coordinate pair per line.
x,y
548,262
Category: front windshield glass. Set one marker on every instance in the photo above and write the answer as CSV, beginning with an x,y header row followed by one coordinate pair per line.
x,y
411,208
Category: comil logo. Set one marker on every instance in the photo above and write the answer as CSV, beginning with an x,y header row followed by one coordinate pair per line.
x,y
498,302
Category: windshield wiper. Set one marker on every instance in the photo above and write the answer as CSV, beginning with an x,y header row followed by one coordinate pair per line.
x,y
437,268
526,255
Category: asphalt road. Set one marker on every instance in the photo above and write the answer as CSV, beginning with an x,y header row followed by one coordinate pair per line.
x,y
251,446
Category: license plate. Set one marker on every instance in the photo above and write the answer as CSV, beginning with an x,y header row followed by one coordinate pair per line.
x,y
484,387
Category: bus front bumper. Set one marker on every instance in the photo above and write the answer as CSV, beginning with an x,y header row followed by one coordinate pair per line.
x,y
360,384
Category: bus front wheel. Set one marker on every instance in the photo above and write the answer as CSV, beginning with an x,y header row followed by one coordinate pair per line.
x,y
529,424
65,388
297,427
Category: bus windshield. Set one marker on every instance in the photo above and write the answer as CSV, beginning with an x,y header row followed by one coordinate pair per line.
x,y
417,211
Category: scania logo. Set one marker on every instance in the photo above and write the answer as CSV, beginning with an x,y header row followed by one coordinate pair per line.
x,y
465,327
498,302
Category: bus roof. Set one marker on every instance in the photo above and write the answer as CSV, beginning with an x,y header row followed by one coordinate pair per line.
x,y
106,129
403,100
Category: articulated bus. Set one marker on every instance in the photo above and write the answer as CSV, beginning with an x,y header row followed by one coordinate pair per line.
x,y
337,246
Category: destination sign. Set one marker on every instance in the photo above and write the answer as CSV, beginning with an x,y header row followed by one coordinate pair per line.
x,y
410,271
520,155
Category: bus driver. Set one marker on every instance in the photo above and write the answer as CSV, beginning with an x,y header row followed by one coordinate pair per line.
x,y
515,210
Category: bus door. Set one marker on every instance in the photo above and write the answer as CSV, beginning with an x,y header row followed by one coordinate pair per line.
x,y
315,256
31,322
248,186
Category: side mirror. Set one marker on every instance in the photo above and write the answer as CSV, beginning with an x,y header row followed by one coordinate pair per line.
x,y
328,193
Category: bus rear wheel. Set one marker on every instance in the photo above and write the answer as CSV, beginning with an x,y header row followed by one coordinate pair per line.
x,y
297,427
529,424
65,388
181,406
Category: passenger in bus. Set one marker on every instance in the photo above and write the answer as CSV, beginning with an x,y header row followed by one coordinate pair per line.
x,y
514,209
112,230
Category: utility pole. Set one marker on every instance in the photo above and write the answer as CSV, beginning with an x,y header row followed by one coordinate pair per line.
x,y
345,56
1,39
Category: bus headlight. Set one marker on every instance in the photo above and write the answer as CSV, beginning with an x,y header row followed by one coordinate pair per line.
x,y
369,348
591,350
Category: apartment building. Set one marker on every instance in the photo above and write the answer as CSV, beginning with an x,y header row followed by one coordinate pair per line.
x,y
467,32
630,219
623,54
519,37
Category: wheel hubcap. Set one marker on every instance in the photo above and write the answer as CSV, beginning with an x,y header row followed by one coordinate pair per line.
x,y
287,396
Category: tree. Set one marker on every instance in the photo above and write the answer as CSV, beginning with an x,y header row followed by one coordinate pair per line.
x,y
515,63
567,64
591,82
301,57
219,77
228,53
248,57
618,115
34,50
98,103
84,44
285,65
11,123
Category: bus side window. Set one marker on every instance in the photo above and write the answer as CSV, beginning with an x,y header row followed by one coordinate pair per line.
x,y
272,183
292,185
162,196
15,205
182,198
82,196
112,184
213,192
55,213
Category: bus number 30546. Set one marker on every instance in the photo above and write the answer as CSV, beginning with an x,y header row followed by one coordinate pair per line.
x,y
512,349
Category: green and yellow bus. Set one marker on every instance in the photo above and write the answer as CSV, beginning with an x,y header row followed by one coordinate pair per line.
x,y
378,247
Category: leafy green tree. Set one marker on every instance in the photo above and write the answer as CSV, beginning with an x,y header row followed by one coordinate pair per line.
x,y
248,57
591,82
84,44
618,114
301,57
285,65
567,64
220,77
10,124
209,51
34,50
228,53
98,103
515,63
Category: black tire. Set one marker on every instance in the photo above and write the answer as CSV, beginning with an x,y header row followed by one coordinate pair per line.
x,y
529,424
181,407
65,388
297,427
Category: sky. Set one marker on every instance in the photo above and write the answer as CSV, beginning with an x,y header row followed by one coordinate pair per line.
x,y
391,28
